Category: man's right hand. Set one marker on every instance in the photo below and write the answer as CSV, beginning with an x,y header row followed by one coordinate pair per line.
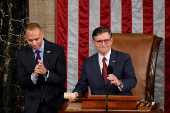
x,y
35,74
73,100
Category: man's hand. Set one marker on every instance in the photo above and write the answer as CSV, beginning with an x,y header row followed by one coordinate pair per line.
x,y
113,79
73,100
39,68
35,75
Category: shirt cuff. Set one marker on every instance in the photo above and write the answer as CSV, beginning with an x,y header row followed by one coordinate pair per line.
x,y
34,80
121,88
46,76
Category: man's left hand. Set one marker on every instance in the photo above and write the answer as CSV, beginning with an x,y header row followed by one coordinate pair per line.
x,y
40,69
113,79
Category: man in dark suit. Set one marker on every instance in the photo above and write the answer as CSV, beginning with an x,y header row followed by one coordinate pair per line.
x,y
122,77
41,68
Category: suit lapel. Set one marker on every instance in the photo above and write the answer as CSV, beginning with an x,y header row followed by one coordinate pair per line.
x,y
47,52
112,61
96,69
30,56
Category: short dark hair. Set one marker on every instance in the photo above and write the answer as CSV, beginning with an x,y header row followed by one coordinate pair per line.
x,y
32,26
100,30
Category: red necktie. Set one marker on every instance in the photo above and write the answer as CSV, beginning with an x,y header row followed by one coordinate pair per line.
x,y
104,70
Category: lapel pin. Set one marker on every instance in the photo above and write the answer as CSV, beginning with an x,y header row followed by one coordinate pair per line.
x,y
48,51
113,61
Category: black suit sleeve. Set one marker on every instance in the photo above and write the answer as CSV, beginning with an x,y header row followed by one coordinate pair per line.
x,y
24,78
82,85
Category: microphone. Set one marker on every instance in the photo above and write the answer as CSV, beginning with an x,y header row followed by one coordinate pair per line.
x,y
109,71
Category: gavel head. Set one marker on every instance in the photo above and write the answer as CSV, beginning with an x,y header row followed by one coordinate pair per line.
x,y
68,95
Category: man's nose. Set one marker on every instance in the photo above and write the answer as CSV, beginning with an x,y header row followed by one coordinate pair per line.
x,y
33,42
103,43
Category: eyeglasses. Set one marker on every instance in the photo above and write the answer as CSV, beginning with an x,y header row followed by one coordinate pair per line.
x,y
106,41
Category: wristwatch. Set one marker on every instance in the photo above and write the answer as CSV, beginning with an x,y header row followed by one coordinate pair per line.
x,y
46,73
121,84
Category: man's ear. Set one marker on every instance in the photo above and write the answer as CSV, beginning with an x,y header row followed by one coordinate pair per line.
x,y
111,40
93,42
42,34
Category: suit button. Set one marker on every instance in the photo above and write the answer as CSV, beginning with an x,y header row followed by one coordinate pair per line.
x,y
42,86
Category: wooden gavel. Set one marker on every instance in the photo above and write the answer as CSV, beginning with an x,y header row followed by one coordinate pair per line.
x,y
68,95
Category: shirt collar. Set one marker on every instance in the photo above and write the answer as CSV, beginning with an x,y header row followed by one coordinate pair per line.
x,y
107,56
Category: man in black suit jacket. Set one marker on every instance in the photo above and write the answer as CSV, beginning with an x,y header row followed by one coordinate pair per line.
x,y
121,76
44,81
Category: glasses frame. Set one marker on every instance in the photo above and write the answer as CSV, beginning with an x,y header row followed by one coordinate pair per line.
x,y
100,42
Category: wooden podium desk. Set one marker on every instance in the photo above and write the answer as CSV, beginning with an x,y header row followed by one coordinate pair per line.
x,y
75,107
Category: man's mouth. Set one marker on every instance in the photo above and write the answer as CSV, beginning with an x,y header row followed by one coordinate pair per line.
x,y
34,47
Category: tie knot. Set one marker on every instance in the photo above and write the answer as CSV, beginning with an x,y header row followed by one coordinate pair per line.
x,y
104,59
37,51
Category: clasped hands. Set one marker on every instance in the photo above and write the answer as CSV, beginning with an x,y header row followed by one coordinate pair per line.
x,y
39,69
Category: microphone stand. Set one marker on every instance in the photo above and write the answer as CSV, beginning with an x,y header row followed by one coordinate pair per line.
x,y
107,93
109,71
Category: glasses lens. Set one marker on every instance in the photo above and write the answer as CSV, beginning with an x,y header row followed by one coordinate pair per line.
x,y
100,42
106,41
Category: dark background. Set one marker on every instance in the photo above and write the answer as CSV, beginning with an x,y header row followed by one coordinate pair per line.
x,y
13,19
